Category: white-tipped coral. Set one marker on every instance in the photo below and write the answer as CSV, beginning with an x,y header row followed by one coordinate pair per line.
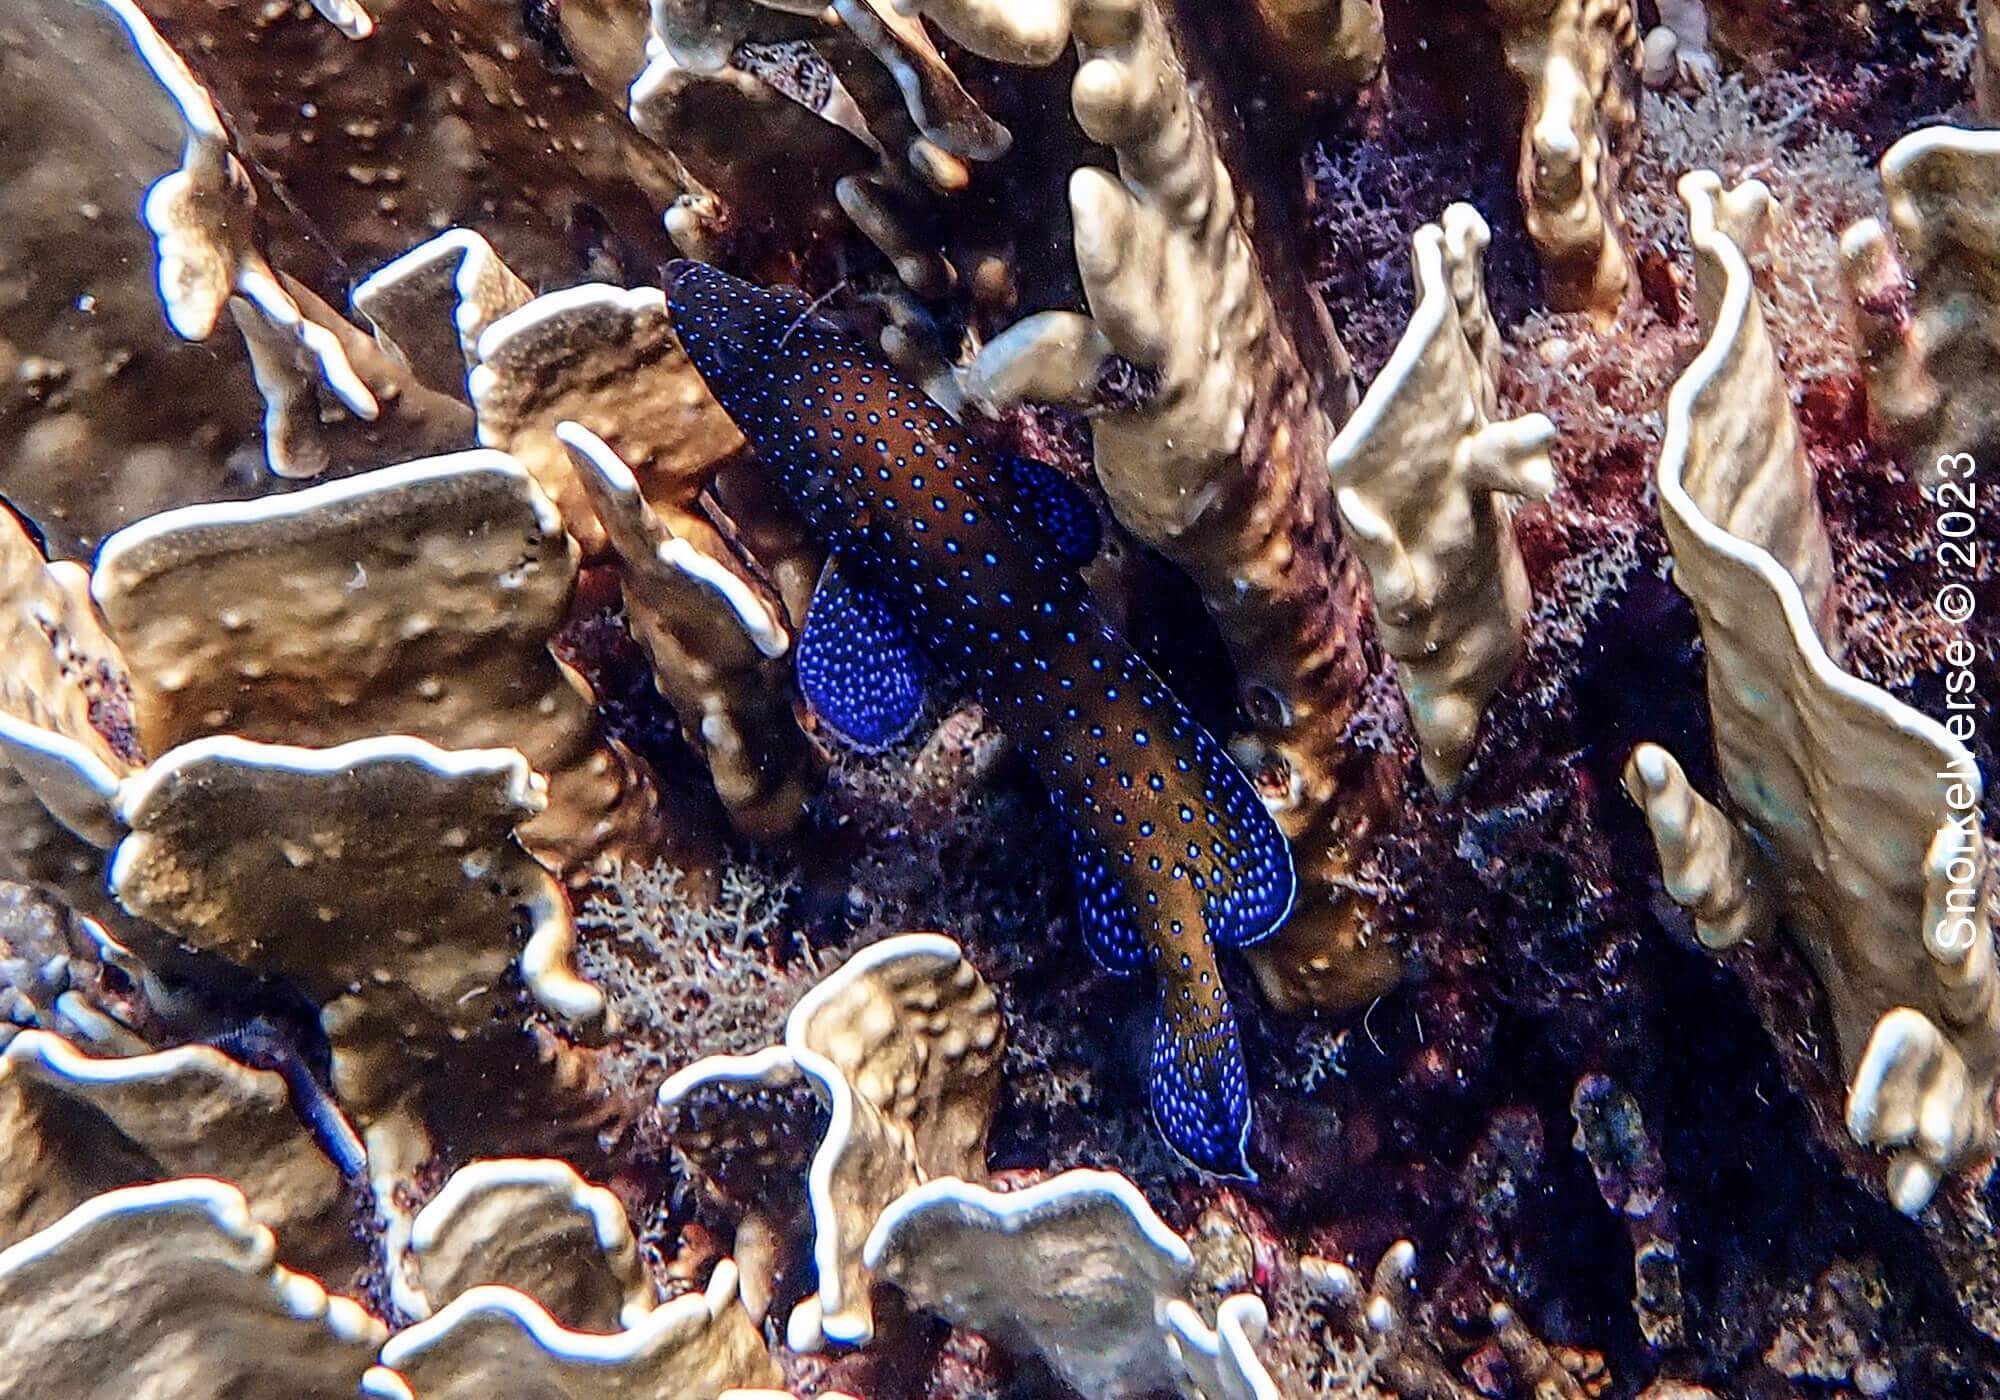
x,y
1079,1271
419,599
538,1228
1030,32
1424,479
604,357
752,156
1709,866
430,306
61,678
718,637
59,674
170,1292
205,226
1376,1315
494,1343
74,1124
903,1046
1580,62
381,879
1868,809
1929,324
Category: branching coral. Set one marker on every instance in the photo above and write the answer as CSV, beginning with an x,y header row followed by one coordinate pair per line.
x,y
719,639
1631,1177
430,306
1377,1315
604,357
1422,477
1330,45
1580,62
686,971
204,222
1869,809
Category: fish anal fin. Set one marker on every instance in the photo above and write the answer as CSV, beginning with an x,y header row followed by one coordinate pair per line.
x,y
1260,881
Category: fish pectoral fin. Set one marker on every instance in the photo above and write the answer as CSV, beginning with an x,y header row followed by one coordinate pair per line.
x,y
858,664
1103,912
1200,1089
1047,507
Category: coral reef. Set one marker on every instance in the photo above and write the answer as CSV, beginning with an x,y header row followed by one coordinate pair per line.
x,y
484,704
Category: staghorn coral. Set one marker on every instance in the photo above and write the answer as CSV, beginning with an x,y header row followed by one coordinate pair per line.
x,y
1422,475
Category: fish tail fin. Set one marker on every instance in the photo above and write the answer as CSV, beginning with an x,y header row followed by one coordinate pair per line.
x,y
1200,1089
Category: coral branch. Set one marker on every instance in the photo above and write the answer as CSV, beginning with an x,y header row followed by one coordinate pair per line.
x,y
1930,352
1422,477
1580,62
1867,807
719,641
1710,868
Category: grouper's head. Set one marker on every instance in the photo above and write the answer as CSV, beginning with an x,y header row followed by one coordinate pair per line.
x,y
755,347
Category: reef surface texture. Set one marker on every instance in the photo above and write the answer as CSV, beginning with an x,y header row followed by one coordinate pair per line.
x,y
997,699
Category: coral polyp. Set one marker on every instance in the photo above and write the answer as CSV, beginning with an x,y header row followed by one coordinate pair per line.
x,y
941,698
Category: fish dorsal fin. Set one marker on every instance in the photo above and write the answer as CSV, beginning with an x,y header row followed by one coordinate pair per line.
x,y
1262,881
858,665
1046,507
1104,910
